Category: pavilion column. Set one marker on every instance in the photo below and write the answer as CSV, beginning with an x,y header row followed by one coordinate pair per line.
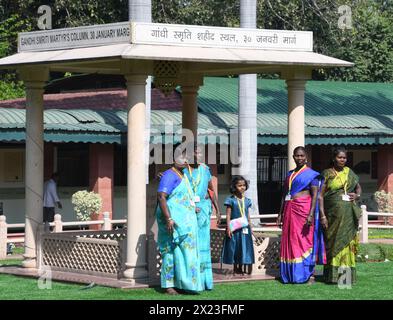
x,y
34,79
189,88
296,88
136,263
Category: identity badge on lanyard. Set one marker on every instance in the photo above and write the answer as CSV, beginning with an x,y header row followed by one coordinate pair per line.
x,y
291,178
345,196
187,182
242,208
196,198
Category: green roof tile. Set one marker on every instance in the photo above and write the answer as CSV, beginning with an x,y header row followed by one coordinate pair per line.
x,y
336,112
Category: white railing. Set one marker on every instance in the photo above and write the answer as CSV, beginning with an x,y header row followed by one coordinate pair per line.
x,y
364,223
58,226
106,224
259,216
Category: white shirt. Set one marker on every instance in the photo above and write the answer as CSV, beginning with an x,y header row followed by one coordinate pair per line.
x,y
50,194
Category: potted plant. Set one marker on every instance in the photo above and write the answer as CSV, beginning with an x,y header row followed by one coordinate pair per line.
x,y
86,204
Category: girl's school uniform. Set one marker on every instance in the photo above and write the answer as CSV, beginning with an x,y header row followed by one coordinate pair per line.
x,y
239,248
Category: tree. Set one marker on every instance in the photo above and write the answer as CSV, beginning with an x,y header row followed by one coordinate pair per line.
x,y
198,12
21,15
10,87
369,44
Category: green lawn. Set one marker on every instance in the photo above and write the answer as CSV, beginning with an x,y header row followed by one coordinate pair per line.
x,y
372,252
380,233
375,281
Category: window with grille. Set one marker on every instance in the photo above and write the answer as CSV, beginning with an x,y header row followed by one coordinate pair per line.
x,y
271,169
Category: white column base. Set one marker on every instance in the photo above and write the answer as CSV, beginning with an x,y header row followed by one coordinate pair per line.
x,y
134,273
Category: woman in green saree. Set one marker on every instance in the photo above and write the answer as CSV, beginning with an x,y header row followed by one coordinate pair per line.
x,y
338,197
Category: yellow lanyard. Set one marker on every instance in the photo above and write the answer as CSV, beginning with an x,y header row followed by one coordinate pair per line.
x,y
186,181
345,185
195,185
177,172
293,177
241,208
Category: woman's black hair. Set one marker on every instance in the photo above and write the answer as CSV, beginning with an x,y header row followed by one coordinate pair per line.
x,y
336,151
235,180
299,148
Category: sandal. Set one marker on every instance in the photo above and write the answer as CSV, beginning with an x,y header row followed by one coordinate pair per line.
x,y
171,291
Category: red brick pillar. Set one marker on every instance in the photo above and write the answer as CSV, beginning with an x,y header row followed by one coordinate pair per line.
x,y
213,169
309,152
212,160
321,157
316,158
49,161
101,175
385,169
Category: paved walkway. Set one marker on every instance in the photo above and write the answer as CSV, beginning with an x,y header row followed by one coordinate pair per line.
x,y
13,257
384,241
220,276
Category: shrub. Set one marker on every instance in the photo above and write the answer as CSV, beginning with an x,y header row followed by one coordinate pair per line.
x,y
85,204
384,201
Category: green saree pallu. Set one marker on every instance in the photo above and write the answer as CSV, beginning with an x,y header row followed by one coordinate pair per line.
x,y
343,222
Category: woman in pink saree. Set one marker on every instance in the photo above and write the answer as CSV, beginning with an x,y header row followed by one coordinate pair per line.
x,y
302,238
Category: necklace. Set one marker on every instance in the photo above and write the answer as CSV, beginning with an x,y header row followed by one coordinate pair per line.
x,y
180,175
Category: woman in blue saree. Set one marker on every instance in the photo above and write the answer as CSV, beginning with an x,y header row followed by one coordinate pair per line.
x,y
177,232
302,243
200,178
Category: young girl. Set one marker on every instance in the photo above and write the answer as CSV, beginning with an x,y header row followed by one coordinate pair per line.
x,y
238,245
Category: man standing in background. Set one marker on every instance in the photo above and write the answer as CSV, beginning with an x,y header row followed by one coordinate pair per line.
x,y
50,200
